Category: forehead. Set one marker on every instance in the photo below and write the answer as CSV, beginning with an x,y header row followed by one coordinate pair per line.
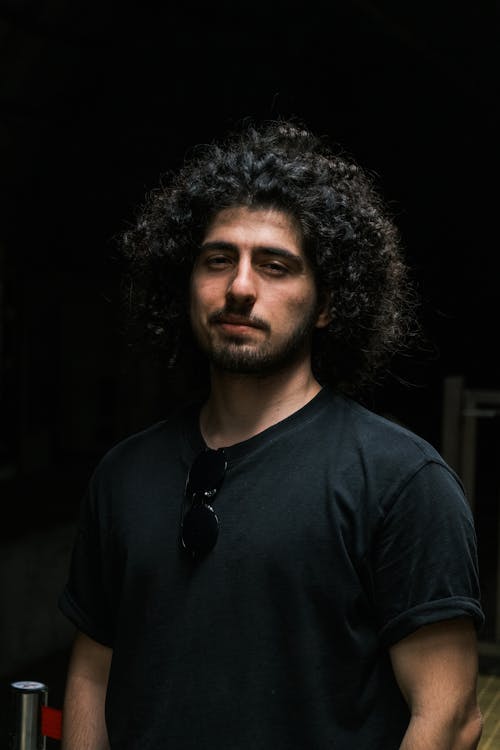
x,y
256,227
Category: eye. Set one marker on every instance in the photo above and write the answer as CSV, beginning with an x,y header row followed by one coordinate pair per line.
x,y
276,269
217,261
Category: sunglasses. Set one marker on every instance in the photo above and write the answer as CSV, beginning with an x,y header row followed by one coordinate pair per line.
x,y
200,525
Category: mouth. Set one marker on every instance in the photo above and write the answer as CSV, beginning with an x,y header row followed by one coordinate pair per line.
x,y
236,323
235,328
239,323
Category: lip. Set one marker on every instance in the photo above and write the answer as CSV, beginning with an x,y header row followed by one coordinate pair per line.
x,y
234,327
233,321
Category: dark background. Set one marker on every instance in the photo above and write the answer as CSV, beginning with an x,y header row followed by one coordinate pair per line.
x,y
98,99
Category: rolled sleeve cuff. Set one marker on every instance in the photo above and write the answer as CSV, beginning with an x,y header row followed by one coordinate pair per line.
x,y
430,612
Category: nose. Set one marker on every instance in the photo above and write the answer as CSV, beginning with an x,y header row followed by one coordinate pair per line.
x,y
242,287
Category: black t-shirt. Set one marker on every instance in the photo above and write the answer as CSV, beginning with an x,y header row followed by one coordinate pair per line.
x,y
340,533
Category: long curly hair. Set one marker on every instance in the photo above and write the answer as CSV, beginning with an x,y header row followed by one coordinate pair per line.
x,y
352,244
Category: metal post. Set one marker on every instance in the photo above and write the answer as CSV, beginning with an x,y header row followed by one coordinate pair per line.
x,y
451,423
27,699
468,455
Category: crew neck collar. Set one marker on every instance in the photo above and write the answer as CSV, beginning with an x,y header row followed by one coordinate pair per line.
x,y
196,443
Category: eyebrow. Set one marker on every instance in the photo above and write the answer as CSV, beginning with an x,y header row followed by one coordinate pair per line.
x,y
279,252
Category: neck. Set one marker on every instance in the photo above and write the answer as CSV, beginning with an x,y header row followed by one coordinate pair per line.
x,y
241,406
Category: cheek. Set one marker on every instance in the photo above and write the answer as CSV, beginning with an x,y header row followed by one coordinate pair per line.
x,y
302,301
194,302
301,308
206,289
199,294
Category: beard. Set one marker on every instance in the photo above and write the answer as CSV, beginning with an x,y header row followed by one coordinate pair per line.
x,y
235,355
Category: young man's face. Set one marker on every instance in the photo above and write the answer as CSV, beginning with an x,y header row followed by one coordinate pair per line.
x,y
253,299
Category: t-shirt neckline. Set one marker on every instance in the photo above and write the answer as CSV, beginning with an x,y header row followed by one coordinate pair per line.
x,y
196,443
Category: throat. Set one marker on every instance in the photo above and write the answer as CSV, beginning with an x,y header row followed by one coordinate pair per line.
x,y
240,410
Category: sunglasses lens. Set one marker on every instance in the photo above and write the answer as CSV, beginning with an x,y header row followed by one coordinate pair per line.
x,y
207,472
200,529
200,525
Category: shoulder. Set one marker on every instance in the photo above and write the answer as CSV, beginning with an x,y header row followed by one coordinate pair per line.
x,y
380,435
145,450
137,445
385,455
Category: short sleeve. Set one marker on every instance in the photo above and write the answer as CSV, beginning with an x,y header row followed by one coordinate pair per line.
x,y
425,556
87,598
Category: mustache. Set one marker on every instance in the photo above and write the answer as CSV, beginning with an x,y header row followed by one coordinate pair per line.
x,y
231,316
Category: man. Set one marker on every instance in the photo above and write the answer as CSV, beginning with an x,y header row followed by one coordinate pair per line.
x,y
273,565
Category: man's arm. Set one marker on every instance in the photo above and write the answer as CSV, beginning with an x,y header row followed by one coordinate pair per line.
x,y
436,670
83,709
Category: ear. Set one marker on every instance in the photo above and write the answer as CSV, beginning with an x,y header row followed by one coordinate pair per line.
x,y
324,315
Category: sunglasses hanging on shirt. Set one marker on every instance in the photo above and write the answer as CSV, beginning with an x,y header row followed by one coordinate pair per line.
x,y
200,525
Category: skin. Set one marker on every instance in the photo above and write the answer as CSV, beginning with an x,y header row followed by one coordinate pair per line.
x,y
436,669
253,307
83,711
253,293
